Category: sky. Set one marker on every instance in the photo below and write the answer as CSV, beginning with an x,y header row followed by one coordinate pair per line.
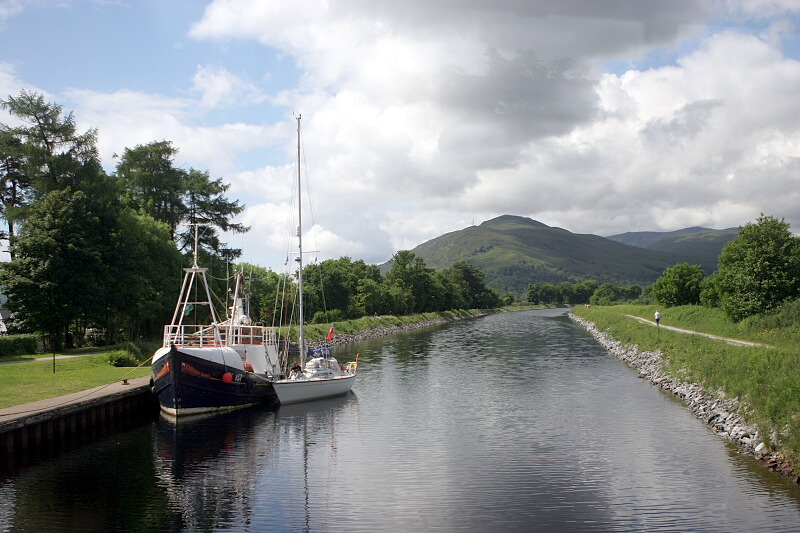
x,y
423,117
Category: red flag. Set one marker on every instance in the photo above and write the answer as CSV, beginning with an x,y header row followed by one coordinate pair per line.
x,y
330,333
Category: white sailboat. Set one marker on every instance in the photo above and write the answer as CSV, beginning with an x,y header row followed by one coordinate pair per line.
x,y
320,375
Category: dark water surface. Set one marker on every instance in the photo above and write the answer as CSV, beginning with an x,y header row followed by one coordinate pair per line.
x,y
512,422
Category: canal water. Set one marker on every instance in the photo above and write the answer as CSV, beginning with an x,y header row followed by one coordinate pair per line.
x,y
512,422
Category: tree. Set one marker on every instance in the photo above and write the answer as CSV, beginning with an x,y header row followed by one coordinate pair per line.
x,y
369,299
175,196
14,184
54,155
410,274
709,293
566,292
205,203
145,283
606,294
548,294
679,285
584,291
152,183
759,270
471,280
57,267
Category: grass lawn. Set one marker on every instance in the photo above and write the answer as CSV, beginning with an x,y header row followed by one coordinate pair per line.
x,y
714,321
27,382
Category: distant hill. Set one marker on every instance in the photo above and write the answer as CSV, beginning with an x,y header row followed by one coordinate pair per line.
x,y
697,246
514,252
645,239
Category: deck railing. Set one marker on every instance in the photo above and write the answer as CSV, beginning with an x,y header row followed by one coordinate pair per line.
x,y
204,336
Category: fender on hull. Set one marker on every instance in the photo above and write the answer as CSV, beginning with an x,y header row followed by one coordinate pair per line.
x,y
187,384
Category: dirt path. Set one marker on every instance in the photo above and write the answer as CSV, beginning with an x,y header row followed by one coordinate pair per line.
x,y
690,332
49,358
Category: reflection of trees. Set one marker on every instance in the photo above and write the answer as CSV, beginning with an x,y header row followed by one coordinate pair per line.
x,y
107,486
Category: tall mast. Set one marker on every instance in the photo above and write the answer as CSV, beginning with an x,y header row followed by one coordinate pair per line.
x,y
302,336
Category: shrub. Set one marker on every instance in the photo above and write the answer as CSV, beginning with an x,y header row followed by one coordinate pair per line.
x,y
131,354
18,344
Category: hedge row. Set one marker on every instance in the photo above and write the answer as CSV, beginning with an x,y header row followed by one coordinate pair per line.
x,y
18,344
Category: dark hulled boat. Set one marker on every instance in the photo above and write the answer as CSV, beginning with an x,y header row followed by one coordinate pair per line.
x,y
217,366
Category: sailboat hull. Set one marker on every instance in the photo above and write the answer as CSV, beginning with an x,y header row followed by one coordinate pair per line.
x,y
302,390
187,384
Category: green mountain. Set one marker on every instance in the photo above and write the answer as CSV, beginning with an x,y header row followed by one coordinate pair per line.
x,y
514,252
696,246
645,239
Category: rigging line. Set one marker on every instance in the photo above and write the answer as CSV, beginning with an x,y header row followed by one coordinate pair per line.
x,y
226,278
314,226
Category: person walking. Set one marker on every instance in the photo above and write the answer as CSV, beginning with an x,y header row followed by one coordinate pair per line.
x,y
658,318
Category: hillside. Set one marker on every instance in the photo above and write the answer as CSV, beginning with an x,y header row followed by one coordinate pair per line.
x,y
515,251
646,239
696,246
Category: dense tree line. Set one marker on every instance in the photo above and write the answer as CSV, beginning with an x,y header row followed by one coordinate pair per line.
x,y
338,289
91,251
585,292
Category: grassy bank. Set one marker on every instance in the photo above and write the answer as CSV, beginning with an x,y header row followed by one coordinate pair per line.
x,y
32,381
766,380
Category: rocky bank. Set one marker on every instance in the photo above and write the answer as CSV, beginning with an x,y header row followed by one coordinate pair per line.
x,y
723,415
342,339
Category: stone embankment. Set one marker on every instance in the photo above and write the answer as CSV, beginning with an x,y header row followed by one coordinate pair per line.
x,y
723,415
341,339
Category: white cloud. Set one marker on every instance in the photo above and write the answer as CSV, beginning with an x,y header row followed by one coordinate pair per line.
x,y
220,86
423,117
10,8
127,118
419,114
764,9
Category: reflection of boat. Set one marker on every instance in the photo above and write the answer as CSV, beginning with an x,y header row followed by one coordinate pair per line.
x,y
215,366
327,408
321,376
209,464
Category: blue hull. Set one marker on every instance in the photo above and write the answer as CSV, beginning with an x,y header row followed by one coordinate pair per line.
x,y
185,384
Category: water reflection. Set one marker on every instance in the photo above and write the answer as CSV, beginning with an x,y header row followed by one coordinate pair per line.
x,y
255,465
511,422
208,466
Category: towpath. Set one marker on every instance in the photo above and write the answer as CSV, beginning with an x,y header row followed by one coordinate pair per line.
x,y
49,358
736,342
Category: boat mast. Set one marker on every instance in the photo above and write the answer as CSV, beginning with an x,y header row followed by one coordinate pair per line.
x,y
302,336
189,280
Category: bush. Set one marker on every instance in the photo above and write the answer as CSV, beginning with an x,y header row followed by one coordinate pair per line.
x,y
131,354
322,317
122,358
679,285
18,345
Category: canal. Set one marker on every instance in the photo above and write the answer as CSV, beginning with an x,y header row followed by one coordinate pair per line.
x,y
511,422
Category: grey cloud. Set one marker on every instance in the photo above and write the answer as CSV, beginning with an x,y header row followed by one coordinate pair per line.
x,y
514,101
576,28
685,125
